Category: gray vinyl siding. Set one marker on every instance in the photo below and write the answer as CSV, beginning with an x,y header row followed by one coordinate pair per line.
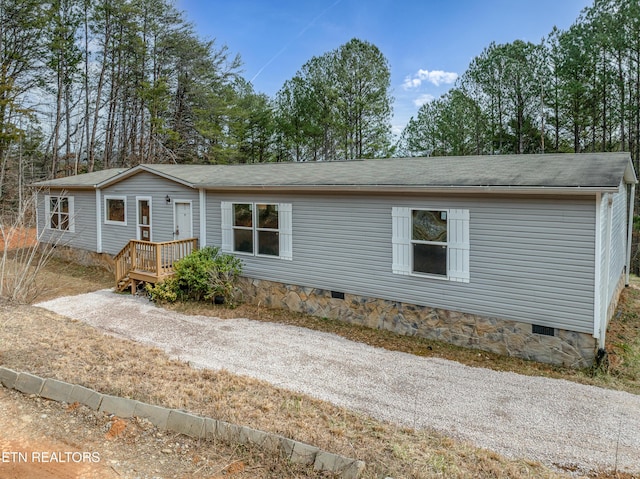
x,y
618,239
531,259
617,248
84,217
115,237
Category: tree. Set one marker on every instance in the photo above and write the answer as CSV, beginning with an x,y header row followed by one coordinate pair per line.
x,y
21,22
509,76
63,60
337,106
363,79
450,125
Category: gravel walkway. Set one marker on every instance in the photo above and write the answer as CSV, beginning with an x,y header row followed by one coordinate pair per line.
x,y
553,421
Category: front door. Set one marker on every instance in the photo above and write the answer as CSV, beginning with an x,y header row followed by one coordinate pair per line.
x,y
182,213
143,218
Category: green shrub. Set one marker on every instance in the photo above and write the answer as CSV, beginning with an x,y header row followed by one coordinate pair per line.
x,y
192,273
223,279
164,292
205,274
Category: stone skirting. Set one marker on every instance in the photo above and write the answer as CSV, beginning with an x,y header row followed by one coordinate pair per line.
x,y
512,338
81,256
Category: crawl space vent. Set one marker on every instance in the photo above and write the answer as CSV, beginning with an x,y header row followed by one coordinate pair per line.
x,y
544,330
337,295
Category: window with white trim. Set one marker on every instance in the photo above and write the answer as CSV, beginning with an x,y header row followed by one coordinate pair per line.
x,y
258,229
59,212
431,243
115,210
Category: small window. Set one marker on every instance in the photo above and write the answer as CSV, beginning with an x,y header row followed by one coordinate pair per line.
x,y
115,209
429,241
60,212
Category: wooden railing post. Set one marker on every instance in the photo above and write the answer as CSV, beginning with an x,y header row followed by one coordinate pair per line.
x,y
134,255
159,268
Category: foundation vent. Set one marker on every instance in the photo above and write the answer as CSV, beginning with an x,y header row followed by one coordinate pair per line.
x,y
544,330
337,295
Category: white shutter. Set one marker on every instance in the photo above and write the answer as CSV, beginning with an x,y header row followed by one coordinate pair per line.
x,y
285,230
72,214
227,226
458,232
401,240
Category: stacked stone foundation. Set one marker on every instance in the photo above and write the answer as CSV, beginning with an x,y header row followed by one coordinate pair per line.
x,y
511,338
80,256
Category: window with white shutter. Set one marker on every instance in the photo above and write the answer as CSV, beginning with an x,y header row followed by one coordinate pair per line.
x,y
431,242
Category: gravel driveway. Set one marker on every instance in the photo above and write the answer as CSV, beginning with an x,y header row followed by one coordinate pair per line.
x,y
553,421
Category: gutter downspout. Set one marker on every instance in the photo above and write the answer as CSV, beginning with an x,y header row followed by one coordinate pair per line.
x,y
631,198
604,304
203,218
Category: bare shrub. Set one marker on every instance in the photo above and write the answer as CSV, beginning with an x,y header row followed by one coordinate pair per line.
x,y
23,256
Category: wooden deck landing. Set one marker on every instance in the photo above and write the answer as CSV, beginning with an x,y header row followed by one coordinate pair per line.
x,y
144,261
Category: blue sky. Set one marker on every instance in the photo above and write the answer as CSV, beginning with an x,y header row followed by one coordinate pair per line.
x,y
427,42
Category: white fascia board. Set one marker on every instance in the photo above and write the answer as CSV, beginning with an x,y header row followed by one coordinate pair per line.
x,y
137,169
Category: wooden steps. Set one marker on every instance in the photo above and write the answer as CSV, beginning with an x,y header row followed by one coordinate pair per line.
x,y
148,262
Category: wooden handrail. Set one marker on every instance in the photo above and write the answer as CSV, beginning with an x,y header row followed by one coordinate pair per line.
x,y
153,260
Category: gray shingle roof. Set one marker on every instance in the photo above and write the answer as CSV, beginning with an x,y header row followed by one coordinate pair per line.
x,y
517,172
86,180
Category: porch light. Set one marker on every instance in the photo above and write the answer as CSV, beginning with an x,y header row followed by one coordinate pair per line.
x,y
167,199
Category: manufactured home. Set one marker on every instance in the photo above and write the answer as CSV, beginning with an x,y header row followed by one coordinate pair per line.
x,y
522,255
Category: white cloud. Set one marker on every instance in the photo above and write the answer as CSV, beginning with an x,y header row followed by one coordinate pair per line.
x,y
437,77
422,99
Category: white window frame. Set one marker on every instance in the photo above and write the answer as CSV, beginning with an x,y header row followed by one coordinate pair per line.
x,y
434,243
284,231
251,228
257,229
107,221
71,227
457,243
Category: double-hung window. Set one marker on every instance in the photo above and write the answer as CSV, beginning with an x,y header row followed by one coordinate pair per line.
x,y
59,213
258,229
431,243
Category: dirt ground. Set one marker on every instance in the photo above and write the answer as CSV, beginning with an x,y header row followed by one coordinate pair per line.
x,y
12,238
57,441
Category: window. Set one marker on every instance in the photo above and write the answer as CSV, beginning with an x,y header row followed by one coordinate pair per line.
x,y
267,230
59,213
243,228
259,229
431,242
115,210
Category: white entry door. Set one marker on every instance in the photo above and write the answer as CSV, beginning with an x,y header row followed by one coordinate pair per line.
x,y
182,224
